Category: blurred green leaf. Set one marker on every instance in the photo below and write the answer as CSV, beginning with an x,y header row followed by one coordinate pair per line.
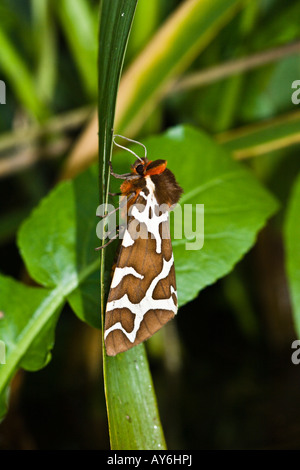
x,y
27,329
20,79
178,42
292,237
79,28
279,24
85,299
59,253
146,81
262,137
57,244
146,19
269,90
45,42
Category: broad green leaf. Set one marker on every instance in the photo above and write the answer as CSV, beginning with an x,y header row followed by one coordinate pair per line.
x,y
58,240
85,299
28,319
236,206
57,243
292,247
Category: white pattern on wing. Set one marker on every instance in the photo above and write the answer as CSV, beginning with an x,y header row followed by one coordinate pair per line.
x,y
154,222
127,240
121,272
147,303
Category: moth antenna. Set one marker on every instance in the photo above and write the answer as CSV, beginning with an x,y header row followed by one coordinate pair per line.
x,y
128,150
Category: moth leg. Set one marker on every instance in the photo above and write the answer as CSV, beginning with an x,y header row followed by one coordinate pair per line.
x,y
108,243
117,230
109,213
114,194
125,176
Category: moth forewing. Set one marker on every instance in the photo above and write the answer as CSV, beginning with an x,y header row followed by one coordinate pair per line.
x,y
142,296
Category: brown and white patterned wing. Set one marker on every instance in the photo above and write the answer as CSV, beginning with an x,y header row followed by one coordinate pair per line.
x,y
142,296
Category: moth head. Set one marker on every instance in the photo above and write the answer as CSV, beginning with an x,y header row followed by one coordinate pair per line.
x,y
144,167
139,166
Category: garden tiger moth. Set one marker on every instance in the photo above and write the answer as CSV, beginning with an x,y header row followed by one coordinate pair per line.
x,y
142,296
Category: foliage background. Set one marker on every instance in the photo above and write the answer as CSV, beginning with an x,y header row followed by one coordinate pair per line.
x,y
223,372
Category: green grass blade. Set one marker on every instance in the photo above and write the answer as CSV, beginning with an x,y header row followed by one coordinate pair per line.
x,y
132,409
77,22
131,404
115,23
45,41
142,30
261,138
182,37
176,45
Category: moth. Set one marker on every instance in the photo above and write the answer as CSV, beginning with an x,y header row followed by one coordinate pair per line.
x,y
142,296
